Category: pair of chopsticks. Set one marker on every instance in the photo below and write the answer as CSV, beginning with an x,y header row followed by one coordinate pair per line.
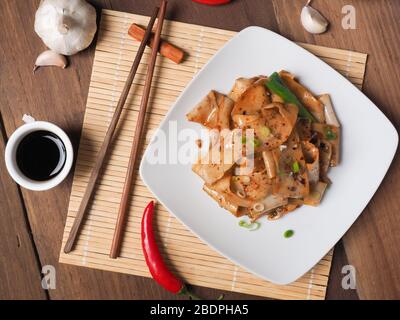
x,y
116,244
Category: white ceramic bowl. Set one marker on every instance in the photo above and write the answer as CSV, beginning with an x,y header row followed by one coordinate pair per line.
x,y
11,149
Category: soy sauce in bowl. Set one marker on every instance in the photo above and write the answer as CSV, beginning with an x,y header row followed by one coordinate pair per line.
x,y
41,155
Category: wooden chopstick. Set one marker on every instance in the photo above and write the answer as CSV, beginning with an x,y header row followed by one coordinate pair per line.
x,y
116,243
107,139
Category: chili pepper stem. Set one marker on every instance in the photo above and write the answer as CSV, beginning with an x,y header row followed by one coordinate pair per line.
x,y
186,292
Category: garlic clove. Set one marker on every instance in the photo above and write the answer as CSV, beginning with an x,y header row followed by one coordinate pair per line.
x,y
50,58
312,20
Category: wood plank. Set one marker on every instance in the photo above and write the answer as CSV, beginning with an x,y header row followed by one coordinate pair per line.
x,y
20,271
371,243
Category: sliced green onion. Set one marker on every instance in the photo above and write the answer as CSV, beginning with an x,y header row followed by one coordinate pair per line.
x,y
251,226
276,85
256,143
329,134
288,233
265,132
296,167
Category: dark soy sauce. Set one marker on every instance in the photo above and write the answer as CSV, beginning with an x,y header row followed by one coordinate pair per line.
x,y
41,155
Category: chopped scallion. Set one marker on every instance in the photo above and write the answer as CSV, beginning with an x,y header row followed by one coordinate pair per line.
x,y
251,226
256,143
264,132
296,167
288,233
329,134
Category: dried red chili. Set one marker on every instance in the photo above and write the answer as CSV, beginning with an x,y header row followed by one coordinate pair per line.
x,y
212,2
154,260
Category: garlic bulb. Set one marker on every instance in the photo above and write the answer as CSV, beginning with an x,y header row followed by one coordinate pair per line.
x,y
66,26
50,58
312,20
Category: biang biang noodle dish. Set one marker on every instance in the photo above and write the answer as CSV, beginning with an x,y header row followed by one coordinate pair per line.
x,y
272,143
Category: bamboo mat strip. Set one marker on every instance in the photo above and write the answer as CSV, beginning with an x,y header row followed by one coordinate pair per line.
x,y
188,256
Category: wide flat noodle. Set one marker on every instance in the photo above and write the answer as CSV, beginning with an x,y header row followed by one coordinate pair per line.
x,y
223,188
213,112
240,86
316,193
292,184
214,164
331,135
221,200
271,127
254,186
269,203
311,155
325,155
252,100
304,95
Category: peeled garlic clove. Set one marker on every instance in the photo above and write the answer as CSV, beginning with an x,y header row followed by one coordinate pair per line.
x,y
312,20
50,58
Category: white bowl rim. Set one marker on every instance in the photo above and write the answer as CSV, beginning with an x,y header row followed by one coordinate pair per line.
x,y
10,151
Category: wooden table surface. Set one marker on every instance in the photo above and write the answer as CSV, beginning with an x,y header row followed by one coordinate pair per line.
x,y
32,223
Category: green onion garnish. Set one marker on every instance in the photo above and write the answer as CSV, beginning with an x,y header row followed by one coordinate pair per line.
x,y
256,143
288,233
277,86
251,226
329,134
296,167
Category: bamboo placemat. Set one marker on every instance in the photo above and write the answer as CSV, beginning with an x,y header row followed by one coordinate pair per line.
x,y
188,256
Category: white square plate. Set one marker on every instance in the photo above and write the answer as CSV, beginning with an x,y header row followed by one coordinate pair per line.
x,y
369,142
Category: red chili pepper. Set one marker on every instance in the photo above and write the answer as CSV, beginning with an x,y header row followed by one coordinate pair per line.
x,y
212,2
154,260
